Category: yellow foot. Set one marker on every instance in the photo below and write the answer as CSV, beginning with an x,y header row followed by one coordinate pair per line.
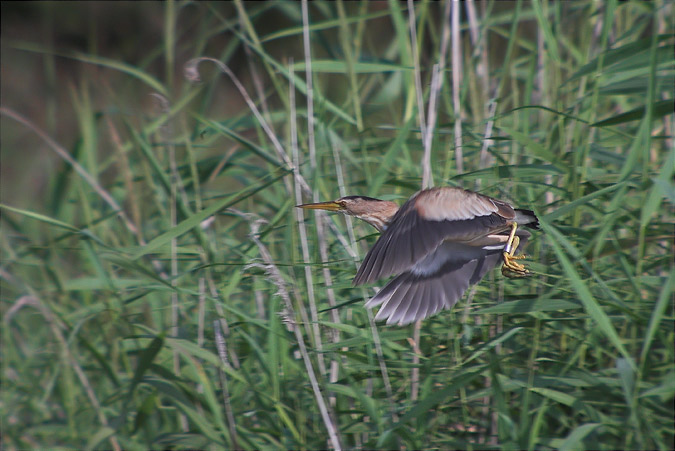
x,y
514,270
511,268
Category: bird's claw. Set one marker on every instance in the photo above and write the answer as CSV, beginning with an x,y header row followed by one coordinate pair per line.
x,y
512,269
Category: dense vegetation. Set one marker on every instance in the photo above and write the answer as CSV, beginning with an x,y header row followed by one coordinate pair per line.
x,y
159,289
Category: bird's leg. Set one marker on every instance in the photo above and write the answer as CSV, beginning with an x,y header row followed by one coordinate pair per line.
x,y
511,268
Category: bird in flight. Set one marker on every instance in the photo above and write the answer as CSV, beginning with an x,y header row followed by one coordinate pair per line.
x,y
440,242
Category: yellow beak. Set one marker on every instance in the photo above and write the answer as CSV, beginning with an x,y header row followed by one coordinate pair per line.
x,y
329,206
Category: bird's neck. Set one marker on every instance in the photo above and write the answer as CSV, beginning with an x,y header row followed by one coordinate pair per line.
x,y
378,223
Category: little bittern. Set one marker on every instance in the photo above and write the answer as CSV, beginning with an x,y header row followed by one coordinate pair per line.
x,y
440,242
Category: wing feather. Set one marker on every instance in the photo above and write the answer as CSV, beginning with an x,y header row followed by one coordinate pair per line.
x,y
414,231
419,308
450,203
411,297
433,256
391,298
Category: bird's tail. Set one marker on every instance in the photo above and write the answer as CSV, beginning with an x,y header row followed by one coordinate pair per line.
x,y
527,218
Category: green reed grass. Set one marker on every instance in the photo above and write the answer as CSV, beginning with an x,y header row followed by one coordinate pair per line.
x,y
158,328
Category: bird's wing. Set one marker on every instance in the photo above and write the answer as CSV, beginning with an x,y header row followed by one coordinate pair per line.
x,y
410,297
424,222
436,283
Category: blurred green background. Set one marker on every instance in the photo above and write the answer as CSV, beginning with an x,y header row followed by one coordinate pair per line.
x,y
158,288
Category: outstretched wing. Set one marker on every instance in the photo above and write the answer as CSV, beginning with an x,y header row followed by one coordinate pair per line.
x,y
437,282
425,221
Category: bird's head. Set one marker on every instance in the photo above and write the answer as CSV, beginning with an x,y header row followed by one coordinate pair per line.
x,y
375,212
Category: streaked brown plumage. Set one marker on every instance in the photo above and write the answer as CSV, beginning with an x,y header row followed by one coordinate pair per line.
x,y
440,242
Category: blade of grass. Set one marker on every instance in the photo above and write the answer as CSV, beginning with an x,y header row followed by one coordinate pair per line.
x,y
591,305
196,219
